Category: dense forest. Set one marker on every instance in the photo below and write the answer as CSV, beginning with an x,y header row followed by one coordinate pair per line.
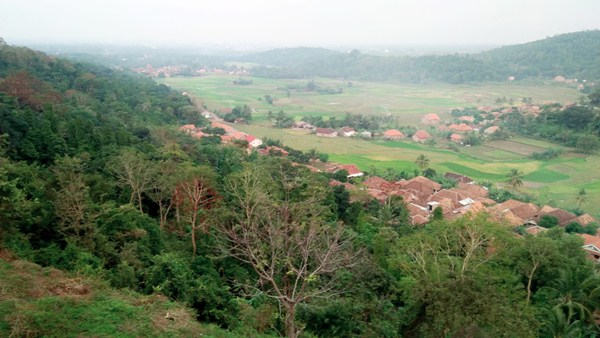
x,y
95,180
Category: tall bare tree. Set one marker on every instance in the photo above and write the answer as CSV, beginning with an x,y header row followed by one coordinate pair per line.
x,y
285,240
193,197
132,170
162,188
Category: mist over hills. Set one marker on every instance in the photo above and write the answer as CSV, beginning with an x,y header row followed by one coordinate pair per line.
x,y
572,55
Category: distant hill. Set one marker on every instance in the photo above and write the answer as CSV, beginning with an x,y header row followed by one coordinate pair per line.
x,y
573,55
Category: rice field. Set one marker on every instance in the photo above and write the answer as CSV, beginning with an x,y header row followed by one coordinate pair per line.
x,y
555,182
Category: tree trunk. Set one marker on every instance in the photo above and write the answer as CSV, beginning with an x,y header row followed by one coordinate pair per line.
x,y
529,282
290,324
139,197
194,241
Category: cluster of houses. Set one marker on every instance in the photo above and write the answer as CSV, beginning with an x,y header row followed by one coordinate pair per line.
x,y
422,196
466,124
231,134
171,70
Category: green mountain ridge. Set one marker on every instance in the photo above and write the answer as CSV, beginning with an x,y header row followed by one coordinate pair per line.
x,y
572,55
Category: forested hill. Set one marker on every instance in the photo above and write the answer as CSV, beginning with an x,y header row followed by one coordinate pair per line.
x,y
573,55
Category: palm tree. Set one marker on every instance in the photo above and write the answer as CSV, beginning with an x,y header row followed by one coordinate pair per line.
x,y
576,296
422,162
556,324
313,155
581,198
515,178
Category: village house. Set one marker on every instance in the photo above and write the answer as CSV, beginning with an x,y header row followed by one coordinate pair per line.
x,y
347,131
491,130
461,128
458,178
466,118
393,135
253,141
591,245
226,127
457,138
431,119
421,136
352,170
273,150
326,132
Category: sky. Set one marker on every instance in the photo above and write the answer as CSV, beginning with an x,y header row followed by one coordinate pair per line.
x,y
293,22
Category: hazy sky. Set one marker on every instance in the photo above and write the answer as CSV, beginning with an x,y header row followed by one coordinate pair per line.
x,y
294,22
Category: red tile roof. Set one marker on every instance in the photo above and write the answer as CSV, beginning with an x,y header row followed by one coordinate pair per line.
x,y
393,133
422,135
590,240
351,169
460,127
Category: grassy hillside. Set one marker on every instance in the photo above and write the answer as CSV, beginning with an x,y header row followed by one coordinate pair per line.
x,y
36,301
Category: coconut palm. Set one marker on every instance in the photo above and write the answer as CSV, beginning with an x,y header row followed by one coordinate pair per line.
x,y
556,324
576,296
515,178
581,198
422,162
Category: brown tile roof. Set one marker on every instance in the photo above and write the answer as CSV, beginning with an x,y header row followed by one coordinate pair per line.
x,y
458,177
510,218
487,201
585,219
268,150
535,230
377,194
510,204
187,127
491,130
238,135
422,184
564,217
591,240
466,118
351,169
393,133
526,211
226,127
421,135
326,131
456,138
546,209
460,127
473,191
418,220
376,182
